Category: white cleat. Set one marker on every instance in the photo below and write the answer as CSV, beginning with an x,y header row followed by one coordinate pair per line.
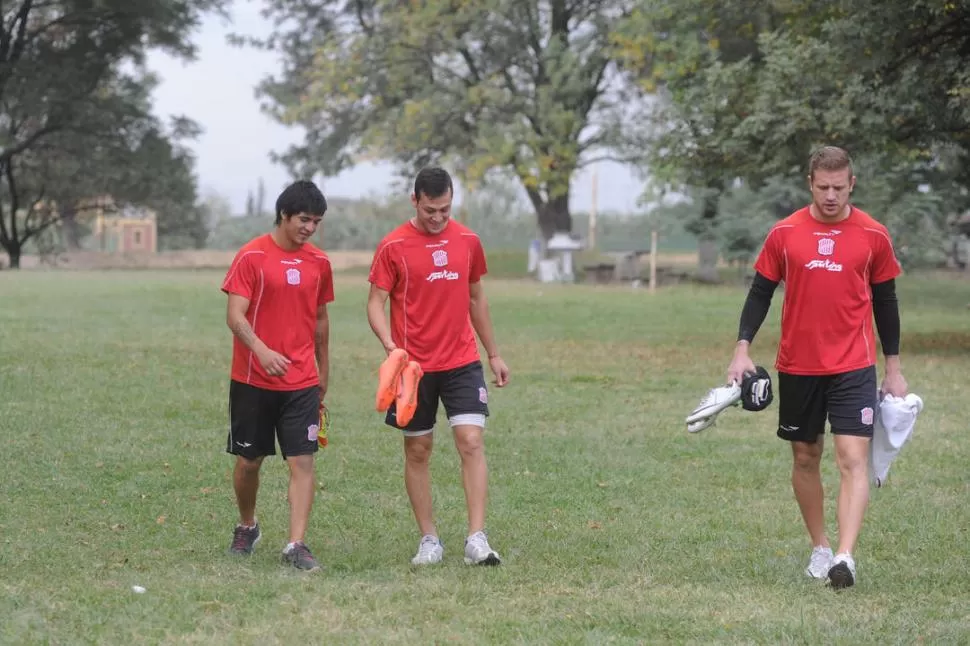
x,y
820,563
701,424
430,551
715,401
479,552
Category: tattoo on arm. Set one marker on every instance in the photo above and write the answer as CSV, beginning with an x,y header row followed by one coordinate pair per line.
x,y
244,331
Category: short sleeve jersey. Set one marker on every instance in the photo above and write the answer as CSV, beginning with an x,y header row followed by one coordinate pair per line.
x,y
285,290
826,320
428,279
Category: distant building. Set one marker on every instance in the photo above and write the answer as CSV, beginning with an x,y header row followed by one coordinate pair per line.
x,y
125,230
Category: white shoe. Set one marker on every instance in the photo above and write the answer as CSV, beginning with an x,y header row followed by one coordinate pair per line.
x,y
842,572
716,400
701,424
820,563
479,552
430,551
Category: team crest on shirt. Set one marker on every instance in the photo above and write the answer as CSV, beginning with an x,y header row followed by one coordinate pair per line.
x,y
867,415
439,257
826,246
293,276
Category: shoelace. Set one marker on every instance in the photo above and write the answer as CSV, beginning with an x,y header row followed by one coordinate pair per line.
x,y
427,546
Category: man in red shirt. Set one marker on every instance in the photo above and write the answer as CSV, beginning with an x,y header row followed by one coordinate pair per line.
x,y
431,267
278,286
839,270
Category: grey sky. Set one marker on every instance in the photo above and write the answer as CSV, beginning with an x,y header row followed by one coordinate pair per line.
x,y
217,91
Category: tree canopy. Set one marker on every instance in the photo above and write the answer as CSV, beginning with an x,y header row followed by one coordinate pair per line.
x,y
527,89
76,109
744,94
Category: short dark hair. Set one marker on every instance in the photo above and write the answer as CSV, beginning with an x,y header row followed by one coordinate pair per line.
x,y
829,158
432,182
302,196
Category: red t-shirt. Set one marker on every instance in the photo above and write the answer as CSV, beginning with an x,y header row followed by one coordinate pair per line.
x,y
428,279
285,289
826,320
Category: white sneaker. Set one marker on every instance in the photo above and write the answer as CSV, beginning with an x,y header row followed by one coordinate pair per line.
x,y
479,552
430,551
820,563
716,400
842,572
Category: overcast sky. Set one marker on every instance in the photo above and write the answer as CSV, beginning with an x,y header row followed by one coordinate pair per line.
x,y
217,91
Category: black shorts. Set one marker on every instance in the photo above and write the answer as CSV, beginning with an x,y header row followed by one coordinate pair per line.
x,y
258,417
462,390
848,400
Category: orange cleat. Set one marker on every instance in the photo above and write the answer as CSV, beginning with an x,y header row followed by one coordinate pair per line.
x,y
407,397
388,378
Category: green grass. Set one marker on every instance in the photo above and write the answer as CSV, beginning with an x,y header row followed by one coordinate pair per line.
x,y
616,525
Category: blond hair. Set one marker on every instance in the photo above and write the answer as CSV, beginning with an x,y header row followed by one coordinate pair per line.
x,y
829,158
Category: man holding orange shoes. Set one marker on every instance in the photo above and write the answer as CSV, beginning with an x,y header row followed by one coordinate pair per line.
x,y
430,268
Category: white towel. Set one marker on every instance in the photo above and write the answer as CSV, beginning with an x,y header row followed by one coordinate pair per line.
x,y
893,426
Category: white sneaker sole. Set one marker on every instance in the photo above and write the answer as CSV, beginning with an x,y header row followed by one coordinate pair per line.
x,y
701,424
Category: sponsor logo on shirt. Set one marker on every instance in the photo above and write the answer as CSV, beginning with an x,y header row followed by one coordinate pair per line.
x,y
443,275
826,264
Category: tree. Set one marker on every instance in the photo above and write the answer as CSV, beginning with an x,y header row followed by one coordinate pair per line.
x,y
528,89
683,54
817,72
73,99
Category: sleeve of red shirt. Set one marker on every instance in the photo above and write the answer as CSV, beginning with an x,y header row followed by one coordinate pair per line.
x,y
770,262
242,274
383,273
326,283
477,267
885,265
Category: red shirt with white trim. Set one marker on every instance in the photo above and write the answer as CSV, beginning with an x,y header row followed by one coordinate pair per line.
x,y
285,289
826,320
428,279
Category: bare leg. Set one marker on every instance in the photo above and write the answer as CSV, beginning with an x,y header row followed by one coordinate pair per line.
x,y
806,480
852,457
300,494
474,474
245,481
417,480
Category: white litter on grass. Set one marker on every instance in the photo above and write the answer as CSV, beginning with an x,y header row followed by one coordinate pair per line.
x,y
138,589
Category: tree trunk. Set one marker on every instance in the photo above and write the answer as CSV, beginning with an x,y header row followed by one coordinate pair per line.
x,y
708,250
14,250
71,227
554,217
708,253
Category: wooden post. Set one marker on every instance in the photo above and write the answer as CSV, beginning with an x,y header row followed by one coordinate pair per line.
x,y
592,213
653,261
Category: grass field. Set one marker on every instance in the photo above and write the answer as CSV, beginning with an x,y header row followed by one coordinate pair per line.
x,y
616,526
